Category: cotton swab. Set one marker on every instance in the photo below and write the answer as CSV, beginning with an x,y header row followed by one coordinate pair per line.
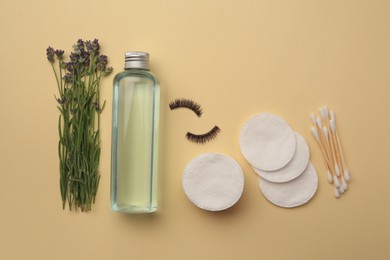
x,y
325,132
336,146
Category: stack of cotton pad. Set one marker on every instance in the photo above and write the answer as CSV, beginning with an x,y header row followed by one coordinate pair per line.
x,y
280,157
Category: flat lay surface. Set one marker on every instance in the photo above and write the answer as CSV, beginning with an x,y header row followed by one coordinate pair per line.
x,y
236,59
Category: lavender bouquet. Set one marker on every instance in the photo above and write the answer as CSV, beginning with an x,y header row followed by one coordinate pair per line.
x,y
78,82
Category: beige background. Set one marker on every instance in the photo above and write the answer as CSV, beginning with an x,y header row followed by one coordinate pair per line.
x,y
236,58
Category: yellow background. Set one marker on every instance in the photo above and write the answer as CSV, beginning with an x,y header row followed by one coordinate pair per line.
x,y
236,58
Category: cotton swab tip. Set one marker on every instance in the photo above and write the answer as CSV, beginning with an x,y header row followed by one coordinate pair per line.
x,y
322,113
332,115
326,112
341,189
326,133
332,125
336,193
346,174
330,179
337,169
319,122
344,184
336,181
315,133
313,118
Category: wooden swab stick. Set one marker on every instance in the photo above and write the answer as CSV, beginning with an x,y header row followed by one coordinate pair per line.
x,y
333,152
324,156
332,155
343,163
336,146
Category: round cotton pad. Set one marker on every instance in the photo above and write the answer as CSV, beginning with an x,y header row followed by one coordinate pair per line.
x,y
267,142
213,181
294,168
293,193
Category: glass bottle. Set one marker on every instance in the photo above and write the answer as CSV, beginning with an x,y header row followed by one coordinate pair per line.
x,y
135,120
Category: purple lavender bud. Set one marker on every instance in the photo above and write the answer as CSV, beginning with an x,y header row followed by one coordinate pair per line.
x,y
95,44
70,66
85,56
68,78
88,44
73,57
80,44
61,101
50,54
93,47
59,54
103,60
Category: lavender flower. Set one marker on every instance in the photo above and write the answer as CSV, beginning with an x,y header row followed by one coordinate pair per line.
x,y
88,45
103,59
80,44
93,47
59,54
68,78
85,57
102,62
79,58
50,54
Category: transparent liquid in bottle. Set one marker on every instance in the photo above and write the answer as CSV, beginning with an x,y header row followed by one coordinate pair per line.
x,y
135,142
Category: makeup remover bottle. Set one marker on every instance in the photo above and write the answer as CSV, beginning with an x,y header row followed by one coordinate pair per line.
x,y
134,150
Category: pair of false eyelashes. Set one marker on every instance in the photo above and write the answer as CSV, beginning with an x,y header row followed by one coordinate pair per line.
x,y
196,108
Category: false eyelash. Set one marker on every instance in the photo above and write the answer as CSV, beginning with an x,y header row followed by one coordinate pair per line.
x,y
203,138
187,103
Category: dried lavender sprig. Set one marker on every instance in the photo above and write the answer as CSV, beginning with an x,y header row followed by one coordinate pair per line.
x,y
79,144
